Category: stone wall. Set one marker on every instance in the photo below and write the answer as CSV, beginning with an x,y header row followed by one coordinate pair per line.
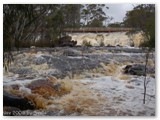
x,y
112,39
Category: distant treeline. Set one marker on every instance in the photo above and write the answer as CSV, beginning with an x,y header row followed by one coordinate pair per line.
x,y
24,24
43,25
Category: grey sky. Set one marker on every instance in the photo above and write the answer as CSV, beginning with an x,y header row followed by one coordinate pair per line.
x,y
118,11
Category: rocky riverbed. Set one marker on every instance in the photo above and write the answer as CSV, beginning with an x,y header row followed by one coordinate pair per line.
x,y
79,81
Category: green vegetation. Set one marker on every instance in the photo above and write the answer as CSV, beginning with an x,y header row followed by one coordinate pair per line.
x,y
102,43
115,25
86,43
142,18
93,15
26,24
22,23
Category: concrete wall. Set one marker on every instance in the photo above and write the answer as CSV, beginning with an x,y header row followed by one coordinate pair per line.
x,y
113,39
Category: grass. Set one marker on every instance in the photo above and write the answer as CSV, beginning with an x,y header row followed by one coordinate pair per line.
x,y
86,43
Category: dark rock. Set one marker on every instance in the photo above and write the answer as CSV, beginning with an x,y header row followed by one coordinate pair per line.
x,y
70,65
53,113
110,45
21,71
127,67
134,69
18,102
56,74
65,38
39,60
70,52
39,83
118,45
70,44
15,86
137,69
124,49
46,88
57,86
67,41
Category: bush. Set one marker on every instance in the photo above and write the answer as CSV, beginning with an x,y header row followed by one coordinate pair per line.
x,y
102,43
86,43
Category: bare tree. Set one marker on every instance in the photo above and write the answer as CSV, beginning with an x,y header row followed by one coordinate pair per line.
x,y
145,75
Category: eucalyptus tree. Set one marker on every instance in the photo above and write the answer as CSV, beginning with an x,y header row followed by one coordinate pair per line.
x,y
72,15
94,15
20,21
142,18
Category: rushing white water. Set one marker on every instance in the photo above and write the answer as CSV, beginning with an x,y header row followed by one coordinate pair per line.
x,y
125,96
102,91
113,39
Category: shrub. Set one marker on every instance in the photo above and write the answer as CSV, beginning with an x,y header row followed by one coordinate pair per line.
x,y
86,43
102,43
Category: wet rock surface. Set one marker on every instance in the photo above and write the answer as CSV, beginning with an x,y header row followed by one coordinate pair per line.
x,y
138,69
24,71
67,60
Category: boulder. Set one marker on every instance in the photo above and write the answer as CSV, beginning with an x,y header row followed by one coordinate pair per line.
x,y
50,87
134,69
18,102
45,88
39,60
137,69
67,41
39,82
21,71
70,52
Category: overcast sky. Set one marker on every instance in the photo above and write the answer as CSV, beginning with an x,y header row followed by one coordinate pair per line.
x,y
118,11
